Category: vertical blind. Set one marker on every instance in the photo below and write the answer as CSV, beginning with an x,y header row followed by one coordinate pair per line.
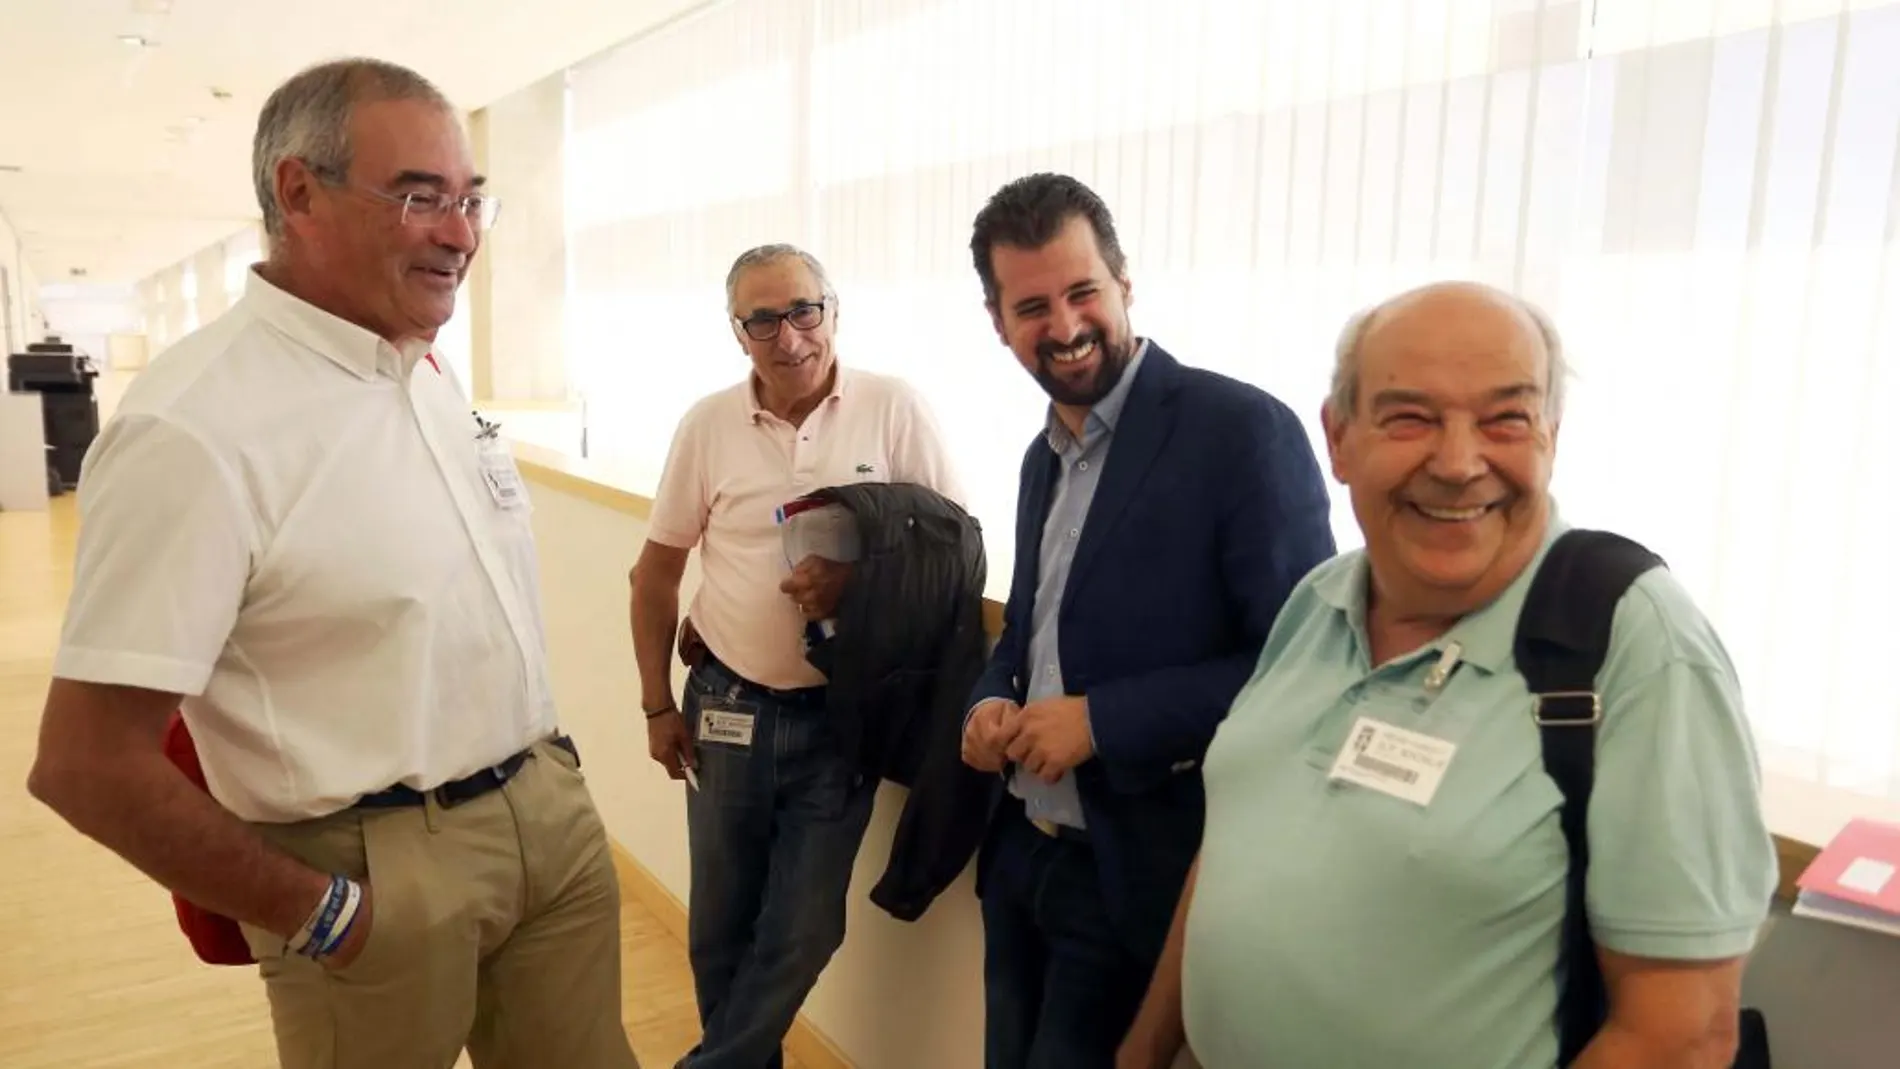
x,y
1703,193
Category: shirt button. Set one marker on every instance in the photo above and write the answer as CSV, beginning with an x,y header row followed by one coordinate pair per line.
x,y
1075,532
1082,466
1050,671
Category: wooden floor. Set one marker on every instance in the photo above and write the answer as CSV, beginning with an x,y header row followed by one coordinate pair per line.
x,y
93,970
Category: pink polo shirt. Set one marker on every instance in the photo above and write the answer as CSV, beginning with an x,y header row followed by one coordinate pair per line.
x,y
732,464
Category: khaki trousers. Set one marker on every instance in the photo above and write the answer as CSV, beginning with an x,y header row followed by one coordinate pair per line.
x,y
496,927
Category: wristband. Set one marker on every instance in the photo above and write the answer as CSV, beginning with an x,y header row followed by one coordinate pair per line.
x,y
316,928
340,928
653,714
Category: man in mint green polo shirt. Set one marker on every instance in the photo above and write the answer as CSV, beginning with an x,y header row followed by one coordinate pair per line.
x,y
1348,918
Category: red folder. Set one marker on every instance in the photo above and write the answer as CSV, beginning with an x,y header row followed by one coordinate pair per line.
x,y
217,939
1856,878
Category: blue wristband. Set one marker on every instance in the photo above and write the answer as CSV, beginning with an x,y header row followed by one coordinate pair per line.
x,y
332,906
343,932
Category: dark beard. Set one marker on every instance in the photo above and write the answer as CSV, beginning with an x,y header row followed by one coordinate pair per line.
x,y
1108,373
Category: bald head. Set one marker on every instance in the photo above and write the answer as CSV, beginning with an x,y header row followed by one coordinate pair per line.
x,y
1444,317
1442,424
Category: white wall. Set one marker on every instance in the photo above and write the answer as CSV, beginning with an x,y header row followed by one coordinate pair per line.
x,y
22,453
163,309
88,316
524,147
897,996
19,308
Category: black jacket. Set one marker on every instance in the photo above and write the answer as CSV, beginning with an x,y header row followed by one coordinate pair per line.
x,y
907,648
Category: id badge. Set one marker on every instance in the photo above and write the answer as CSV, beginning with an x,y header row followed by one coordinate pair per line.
x,y
500,476
726,720
1391,760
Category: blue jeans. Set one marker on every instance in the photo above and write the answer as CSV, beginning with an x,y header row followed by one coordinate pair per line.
x,y
774,830
1060,989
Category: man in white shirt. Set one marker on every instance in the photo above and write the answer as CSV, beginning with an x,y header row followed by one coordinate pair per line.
x,y
295,528
777,811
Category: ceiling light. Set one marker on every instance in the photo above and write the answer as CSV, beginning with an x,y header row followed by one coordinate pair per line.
x,y
133,40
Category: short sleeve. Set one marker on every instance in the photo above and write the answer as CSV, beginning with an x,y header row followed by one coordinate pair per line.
x,y
680,505
1682,865
917,448
165,550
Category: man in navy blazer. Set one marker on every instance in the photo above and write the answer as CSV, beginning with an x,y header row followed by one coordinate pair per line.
x,y
1164,514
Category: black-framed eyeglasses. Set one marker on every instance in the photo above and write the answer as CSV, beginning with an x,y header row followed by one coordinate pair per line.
x,y
764,326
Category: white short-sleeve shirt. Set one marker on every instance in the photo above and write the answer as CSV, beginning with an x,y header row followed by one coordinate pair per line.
x,y
303,530
730,467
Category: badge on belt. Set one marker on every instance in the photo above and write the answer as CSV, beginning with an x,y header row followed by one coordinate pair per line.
x,y
727,720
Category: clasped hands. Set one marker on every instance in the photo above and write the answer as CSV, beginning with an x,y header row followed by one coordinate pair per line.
x,y
1047,738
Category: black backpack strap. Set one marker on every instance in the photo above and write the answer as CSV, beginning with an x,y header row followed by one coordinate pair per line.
x,y
1563,636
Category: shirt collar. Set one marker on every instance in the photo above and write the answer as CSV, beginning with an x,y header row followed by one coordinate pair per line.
x,y
1485,638
1103,414
356,350
840,380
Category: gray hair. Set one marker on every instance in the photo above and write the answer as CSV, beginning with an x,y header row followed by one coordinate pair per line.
x,y
771,254
308,118
1343,399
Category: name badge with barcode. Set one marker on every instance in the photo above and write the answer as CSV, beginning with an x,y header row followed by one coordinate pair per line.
x,y
722,725
1394,761
502,480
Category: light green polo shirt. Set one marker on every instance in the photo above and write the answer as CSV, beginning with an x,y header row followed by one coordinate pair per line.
x,y
1335,925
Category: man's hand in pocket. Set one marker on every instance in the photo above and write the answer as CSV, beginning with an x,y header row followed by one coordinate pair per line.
x,y
358,935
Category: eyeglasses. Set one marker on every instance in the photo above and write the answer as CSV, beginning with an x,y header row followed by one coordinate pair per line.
x,y
764,326
427,208
430,209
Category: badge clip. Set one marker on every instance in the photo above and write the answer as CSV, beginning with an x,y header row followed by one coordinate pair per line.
x,y
1441,672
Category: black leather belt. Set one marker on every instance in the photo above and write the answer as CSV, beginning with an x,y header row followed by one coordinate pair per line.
x,y
715,673
468,788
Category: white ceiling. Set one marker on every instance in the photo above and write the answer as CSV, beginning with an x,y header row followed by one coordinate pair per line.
x,y
129,163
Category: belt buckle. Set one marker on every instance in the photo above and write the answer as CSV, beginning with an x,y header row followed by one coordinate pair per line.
x,y
470,788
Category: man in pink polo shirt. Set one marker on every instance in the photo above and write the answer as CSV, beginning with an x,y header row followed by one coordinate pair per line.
x,y
777,812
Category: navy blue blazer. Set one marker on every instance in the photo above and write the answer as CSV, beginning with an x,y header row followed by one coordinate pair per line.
x,y
1210,509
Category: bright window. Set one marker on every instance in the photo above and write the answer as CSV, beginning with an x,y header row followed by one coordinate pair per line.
x,y
1702,192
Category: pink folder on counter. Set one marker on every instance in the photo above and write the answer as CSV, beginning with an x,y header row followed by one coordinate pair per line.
x,y
1856,879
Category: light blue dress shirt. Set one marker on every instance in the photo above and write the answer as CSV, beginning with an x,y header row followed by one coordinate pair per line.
x,y
1079,473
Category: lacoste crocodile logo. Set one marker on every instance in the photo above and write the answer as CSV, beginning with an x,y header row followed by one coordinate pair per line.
x,y
866,469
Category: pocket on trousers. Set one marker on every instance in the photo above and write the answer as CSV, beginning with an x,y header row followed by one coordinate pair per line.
x,y
548,751
332,845
388,896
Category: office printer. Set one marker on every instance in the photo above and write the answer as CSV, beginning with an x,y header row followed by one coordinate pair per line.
x,y
63,377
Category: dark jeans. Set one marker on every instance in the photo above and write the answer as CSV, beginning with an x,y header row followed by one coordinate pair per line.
x,y
1060,989
774,829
